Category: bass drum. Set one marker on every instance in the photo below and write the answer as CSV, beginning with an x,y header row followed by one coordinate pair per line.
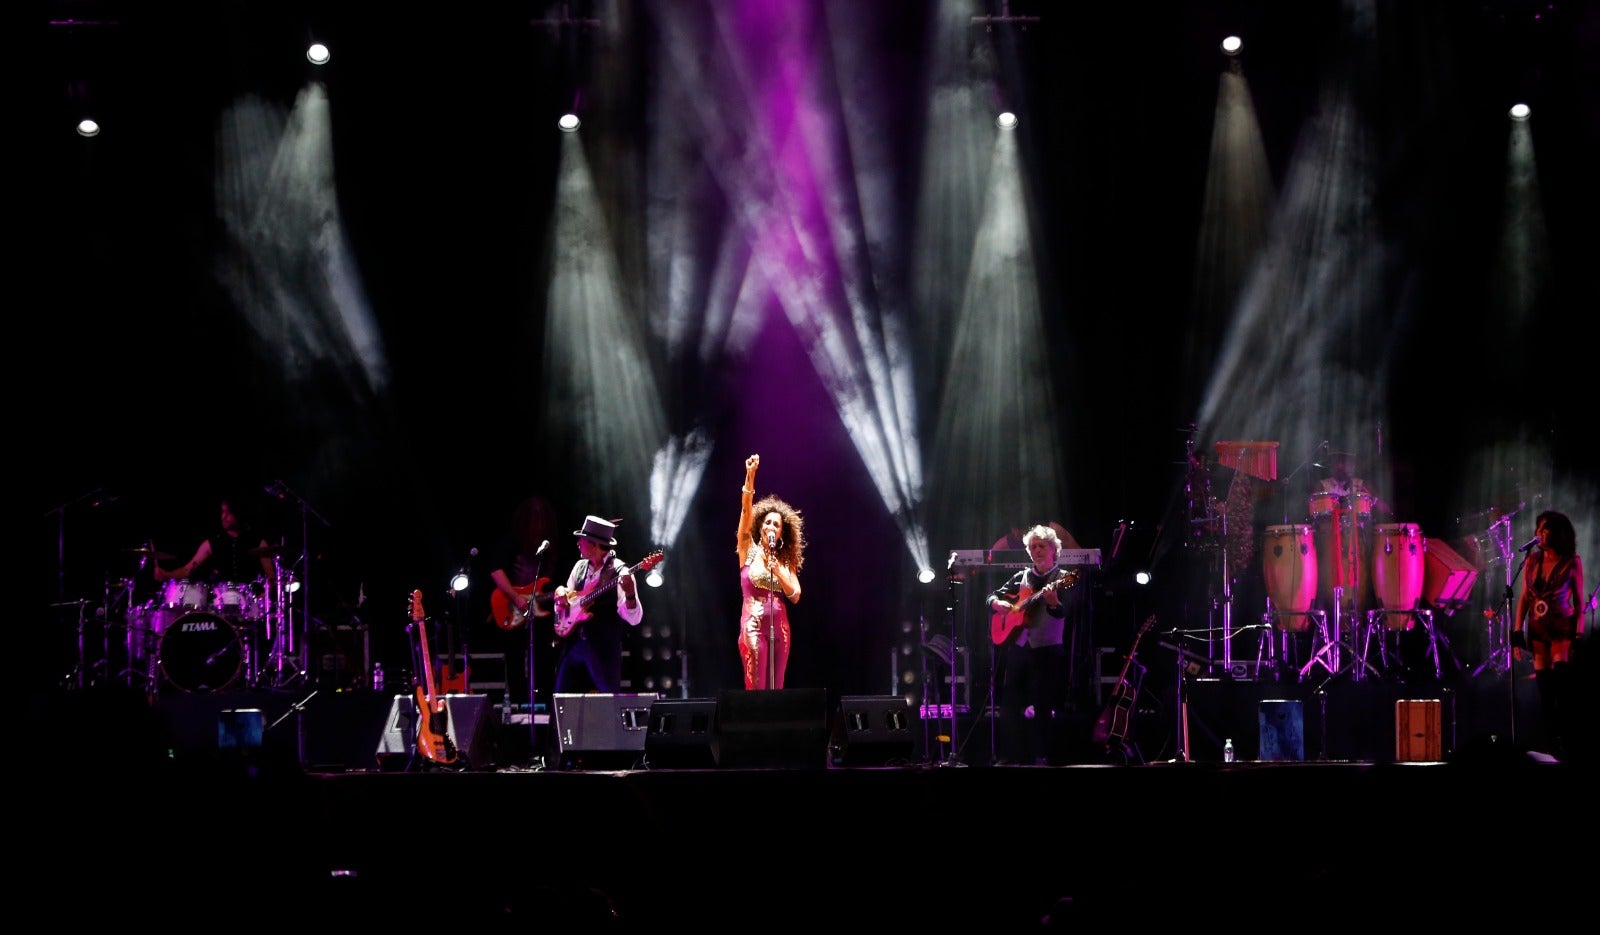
x,y
202,652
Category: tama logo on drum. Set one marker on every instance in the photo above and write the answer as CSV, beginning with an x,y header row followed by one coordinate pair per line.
x,y
195,626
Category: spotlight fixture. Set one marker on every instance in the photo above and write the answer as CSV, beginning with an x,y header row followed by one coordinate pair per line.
x,y
318,54
654,578
1232,45
459,581
1141,577
292,586
1006,120
88,126
925,575
568,123
1520,111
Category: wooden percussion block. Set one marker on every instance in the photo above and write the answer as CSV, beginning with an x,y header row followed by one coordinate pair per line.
x,y
1418,731
1258,459
1446,576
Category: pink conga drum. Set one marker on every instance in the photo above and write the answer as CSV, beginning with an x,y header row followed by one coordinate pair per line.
x,y
1399,566
1289,564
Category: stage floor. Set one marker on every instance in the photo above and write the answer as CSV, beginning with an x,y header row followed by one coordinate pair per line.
x,y
144,822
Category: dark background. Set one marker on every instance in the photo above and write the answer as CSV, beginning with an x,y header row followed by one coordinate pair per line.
x,y
137,378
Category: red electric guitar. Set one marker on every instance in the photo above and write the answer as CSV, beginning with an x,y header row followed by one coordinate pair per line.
x,y
508,617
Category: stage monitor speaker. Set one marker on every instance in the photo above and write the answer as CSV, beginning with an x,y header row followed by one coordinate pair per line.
x,y
872,730
601,731
342,730
783,728
682,734
467,731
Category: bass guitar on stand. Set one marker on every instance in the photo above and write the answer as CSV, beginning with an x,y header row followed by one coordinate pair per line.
x,y
433,718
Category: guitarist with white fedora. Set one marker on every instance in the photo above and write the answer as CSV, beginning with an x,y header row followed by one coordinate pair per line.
x,y
592,609
1028,625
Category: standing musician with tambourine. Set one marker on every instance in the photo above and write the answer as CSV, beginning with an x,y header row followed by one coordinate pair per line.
x,y
590,622
1029,623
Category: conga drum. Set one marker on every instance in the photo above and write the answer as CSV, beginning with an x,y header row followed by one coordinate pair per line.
x,y
1289,564
1399,566
1343,548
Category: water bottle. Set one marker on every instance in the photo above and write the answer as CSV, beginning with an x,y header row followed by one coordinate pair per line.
x,y
377,683
1227,750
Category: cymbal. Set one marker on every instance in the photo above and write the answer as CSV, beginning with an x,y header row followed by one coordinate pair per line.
x,y
158,556
266,551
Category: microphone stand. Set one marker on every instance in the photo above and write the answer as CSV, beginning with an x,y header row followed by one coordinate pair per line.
x,y
533,692
1511,672
300,648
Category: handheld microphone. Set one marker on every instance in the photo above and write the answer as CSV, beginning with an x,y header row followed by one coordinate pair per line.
x,y
772,540
1529,544
542,546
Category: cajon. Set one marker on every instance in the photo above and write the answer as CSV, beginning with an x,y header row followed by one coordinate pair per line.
x,y
1418,731
1447,578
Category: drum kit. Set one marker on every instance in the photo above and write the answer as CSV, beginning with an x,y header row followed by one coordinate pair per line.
x,y
197,636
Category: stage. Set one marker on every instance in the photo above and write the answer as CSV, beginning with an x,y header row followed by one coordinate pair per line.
x,y
150,812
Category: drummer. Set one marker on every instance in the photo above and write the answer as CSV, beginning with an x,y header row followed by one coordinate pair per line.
x,y
234,553
1342,483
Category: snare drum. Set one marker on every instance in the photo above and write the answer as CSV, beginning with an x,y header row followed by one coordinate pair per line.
x,y
1398,568
202,652
239,600
186,593
1289,564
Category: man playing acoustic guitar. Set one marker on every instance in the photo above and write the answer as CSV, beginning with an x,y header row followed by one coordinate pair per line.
x,y
589,622
1028,625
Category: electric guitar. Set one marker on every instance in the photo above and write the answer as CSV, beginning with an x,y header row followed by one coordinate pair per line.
x,y
1003,625
572,607
505,613
433,720
1112,725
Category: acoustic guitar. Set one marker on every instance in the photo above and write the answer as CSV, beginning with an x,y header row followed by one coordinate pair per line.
x,y
572,608
1003,624
1111,727
433,718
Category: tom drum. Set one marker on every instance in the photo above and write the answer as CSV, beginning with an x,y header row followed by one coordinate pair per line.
x,y
1289,564
202,652
1399,565
186,593
240,600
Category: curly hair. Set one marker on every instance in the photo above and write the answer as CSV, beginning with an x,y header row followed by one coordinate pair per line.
x,y
793,535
